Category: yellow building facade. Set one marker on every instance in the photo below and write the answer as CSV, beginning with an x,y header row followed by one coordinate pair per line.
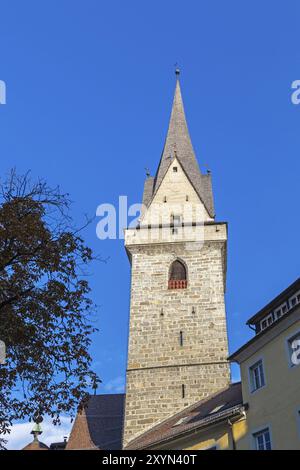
x,y
224,436
270,373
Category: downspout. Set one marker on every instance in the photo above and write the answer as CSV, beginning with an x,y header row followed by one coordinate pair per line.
x,y
230,423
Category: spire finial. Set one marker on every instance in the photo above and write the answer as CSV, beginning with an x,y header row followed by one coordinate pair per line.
x,y
37,430
177,70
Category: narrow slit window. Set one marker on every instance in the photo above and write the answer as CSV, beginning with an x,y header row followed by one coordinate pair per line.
x,y
183,391
181,338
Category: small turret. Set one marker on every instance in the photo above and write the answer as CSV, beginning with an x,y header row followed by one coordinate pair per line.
x,y
36,431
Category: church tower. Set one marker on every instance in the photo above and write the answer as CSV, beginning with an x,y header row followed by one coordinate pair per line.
x,y
177,351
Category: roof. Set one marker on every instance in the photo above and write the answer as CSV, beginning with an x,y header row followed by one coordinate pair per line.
x,y
178,145
58,445
105,420
99,424
275,302
266,335
213,409
148,190
36,445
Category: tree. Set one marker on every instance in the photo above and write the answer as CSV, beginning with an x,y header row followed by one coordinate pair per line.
x,y
45,308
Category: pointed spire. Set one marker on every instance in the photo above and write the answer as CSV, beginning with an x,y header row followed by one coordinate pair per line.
x,y
178,145
178,142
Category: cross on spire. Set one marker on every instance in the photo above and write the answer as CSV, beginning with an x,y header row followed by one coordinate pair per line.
x,y
177,70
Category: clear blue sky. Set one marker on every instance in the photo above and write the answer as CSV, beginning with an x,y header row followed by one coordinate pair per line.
x,y
89,91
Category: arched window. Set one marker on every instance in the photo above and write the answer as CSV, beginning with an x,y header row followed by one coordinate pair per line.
x,y
178,278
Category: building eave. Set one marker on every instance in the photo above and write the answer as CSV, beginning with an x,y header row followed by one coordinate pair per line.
x,y
234,412
274,303
265,336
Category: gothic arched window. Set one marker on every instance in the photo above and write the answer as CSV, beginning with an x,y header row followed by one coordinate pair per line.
x,y
178,277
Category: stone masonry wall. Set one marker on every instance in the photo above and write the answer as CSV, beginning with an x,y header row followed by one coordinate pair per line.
x,y
158,365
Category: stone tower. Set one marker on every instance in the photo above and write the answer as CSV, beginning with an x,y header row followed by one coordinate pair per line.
x,y
177,351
